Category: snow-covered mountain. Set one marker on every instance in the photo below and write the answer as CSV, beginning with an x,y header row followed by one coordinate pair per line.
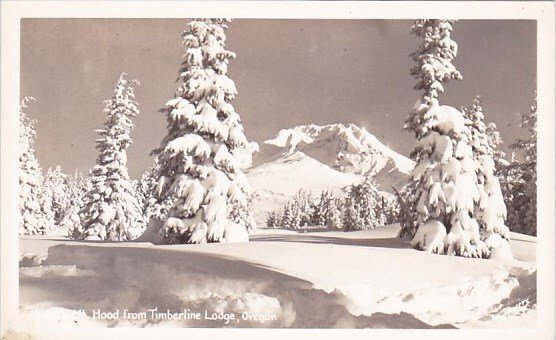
x,y
347,148
318,158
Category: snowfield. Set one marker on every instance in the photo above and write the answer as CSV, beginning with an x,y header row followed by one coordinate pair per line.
x,y
282,278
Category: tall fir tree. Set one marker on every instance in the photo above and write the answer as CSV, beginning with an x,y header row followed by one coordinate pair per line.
x,y
36,218
111,210
445,188
433,67
201,182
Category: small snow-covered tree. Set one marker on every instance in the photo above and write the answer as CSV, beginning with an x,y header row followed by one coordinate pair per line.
x,y
363,206
448,182
111,210
34,218
56,182
201,182
145,188
243,214
273,219
391,208
77,187
484,137
47,204
335,213
286,218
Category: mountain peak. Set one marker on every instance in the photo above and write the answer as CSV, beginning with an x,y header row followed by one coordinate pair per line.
x,y
345,147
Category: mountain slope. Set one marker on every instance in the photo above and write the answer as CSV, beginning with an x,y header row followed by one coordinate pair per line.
x,y
316,158
347,148
279,179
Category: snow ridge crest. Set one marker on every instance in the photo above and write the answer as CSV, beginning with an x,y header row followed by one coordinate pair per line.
x,y
347,147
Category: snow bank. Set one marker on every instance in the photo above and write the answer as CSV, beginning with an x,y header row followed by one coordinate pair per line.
x,y
302,280
467,301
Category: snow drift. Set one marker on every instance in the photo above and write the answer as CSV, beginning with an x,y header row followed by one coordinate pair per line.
x,y
316,290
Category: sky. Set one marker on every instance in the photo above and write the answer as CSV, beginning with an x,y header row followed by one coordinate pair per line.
x,y
287,72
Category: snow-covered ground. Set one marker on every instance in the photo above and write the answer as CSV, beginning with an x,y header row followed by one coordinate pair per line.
x,y
313,278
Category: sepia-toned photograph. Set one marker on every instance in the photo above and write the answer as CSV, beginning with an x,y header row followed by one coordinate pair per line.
x,y
300,173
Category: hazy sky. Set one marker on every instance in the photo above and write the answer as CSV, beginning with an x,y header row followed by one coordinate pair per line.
x,y
288,72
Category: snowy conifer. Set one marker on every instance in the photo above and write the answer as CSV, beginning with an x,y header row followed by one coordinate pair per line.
x,y
34,220
391,209
363,206
200,175
47,204
111,210
448,182
490,210
484,137
433,66
286,219
320,208
335,213
57,183
77,187
145,188
273,219
523,186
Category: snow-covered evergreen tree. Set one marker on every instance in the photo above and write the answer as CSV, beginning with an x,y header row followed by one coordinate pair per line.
x,y
111,210
34,219
77,187
56,182
273,219
335,213
306,212
145,188
321,207
433,67
363,206
201,181
448,182
286,219
391,208
490,210
523,187
484,137
47,204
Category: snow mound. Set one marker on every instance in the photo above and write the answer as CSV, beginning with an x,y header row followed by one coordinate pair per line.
x,y
430,237
40,317
235,233
467,301
309,287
